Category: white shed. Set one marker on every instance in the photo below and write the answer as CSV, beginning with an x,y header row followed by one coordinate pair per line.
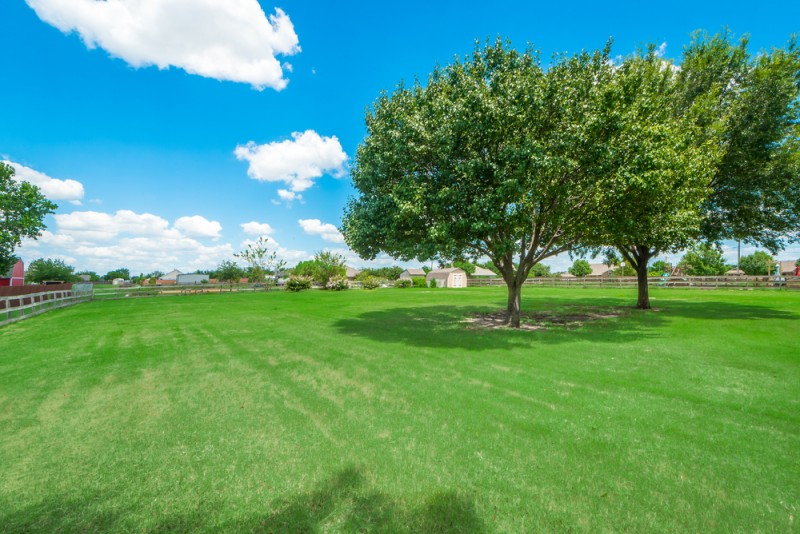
x,y
172,275
450,277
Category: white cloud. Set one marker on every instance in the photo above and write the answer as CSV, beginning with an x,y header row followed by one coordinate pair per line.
x,y
198,226
256,228
296,162
661,50
221,39
326,231
140,241
288,196
52,188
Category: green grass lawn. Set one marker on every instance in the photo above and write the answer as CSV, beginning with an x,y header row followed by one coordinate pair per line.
x,y
384,411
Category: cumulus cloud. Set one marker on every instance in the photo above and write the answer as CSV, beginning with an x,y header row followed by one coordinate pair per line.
x,y
220,39
297,161
326,231
256,228
288,196
52,188
140,241
198,226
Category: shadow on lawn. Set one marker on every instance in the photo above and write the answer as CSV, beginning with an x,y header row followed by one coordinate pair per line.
x,y
444,326
341,503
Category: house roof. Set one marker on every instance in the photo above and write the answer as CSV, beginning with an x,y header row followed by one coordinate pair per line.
x,y
443,273
415,272
735,272
480,271
787,266
350,272
172,275
598,269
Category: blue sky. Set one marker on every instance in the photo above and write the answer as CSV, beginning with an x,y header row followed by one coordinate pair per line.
x,y
170,132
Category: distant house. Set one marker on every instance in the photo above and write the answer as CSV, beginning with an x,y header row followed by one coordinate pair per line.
x,y
409,274
118,282
451,277
172,275
15,276
598,269
788,268
351,273
189,279
735,272
480,272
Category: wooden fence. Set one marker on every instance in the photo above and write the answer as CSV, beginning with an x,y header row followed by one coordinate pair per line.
x,y
18,303
699,282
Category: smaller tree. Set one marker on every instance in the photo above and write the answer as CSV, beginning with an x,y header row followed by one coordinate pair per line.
x,y
122,272
658,268
539,270
23,208
580,268
703,259
229,271
44,270
757,263
322,268
93,276
263,266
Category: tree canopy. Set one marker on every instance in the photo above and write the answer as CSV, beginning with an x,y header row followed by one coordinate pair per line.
x,y
703,259
492,157
757,263
659,164
754,194
580,268
44,270
23,208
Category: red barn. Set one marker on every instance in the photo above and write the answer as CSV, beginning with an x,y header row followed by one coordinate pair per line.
x,y
14,277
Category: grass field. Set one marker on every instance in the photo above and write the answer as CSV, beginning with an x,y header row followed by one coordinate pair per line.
x,y
384,411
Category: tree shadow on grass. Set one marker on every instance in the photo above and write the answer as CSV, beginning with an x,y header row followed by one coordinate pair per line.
x,y
446,327
344,502
723,311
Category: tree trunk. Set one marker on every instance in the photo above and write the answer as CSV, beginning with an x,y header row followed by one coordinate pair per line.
x,y
514,298
643,302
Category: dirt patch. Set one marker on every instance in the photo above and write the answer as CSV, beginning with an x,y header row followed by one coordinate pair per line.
x,y
568,318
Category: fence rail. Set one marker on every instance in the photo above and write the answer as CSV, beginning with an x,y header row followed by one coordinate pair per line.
x,y
701,282
27,301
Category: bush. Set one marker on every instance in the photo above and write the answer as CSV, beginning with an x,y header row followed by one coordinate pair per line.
x,y
298,283
337,283
371,282
402,282
419,282
433,282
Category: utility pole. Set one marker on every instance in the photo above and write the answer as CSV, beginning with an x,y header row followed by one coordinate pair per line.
x,y
738,255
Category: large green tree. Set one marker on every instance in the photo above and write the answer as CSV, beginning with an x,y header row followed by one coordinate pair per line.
x,y
703,259
755,192
493,157
757,263
45,270
23,208
659,164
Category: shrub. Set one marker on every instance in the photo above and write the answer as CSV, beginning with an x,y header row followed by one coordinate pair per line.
x,y
402,282
298,283
337,283
371,282
419,282
433,282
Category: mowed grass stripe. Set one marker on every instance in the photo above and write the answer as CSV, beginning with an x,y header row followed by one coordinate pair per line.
x,y
384,411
